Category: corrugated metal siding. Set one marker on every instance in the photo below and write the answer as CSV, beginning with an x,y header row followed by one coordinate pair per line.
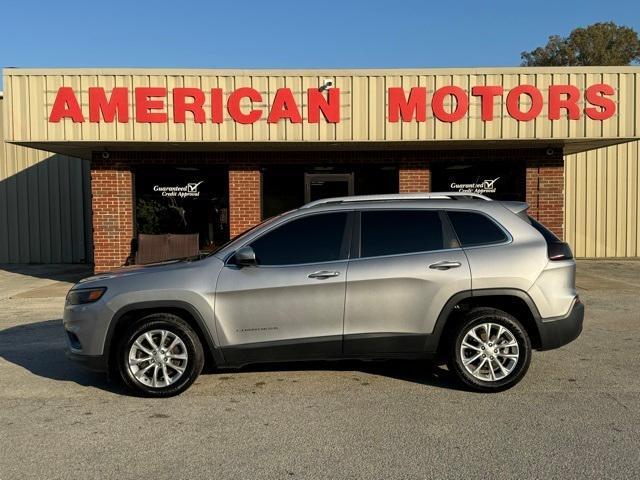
x,y
30,94
45,210
602,202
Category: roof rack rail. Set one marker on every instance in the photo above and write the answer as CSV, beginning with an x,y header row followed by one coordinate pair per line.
x,y
400,196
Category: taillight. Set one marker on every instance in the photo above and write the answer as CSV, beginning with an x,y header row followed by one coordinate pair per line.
x,y
559,251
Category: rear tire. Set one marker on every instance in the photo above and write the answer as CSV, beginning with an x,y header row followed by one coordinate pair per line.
x,y
490,351
160,355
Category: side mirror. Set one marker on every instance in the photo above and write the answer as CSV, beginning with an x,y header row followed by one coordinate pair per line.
x,y
246,257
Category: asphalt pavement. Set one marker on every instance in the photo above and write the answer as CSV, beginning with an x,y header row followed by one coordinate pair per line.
x,y
575,415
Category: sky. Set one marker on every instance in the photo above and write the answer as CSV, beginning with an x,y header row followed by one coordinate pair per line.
x,y
290,34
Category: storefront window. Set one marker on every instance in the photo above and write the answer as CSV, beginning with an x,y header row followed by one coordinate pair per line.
x,y
500,180
183,200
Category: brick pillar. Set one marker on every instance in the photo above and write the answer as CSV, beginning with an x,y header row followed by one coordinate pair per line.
x,y
545,192
414,177
112,205
245,198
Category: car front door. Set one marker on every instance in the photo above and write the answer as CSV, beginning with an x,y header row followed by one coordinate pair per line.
x,y
291,304
407,265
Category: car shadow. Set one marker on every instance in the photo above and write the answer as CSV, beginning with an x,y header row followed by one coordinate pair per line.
x,y
40,348
421,372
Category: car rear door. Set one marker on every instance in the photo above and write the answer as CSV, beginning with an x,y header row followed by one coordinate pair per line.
x,y
291,305
405,267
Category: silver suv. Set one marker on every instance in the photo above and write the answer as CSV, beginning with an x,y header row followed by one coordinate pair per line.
x,y
442,276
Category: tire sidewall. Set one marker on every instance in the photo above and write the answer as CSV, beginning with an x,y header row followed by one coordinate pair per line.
x,y
176,325
524,349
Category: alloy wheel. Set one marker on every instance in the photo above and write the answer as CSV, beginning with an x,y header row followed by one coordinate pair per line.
x,y
489,352
158,358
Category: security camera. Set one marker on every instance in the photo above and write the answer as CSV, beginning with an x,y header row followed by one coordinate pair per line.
x,y
326,85
105,155
550,152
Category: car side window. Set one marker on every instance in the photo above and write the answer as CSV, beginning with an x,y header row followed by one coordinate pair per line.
x,y
475,229
394,232
311,239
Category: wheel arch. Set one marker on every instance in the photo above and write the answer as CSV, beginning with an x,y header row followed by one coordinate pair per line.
x,y
187,312
513,301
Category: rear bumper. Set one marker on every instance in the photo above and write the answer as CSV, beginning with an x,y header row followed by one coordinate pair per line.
x,y
557,332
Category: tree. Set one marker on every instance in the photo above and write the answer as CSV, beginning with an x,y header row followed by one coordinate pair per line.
x,y
597,44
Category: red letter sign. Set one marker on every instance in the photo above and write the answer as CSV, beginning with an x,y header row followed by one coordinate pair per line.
x,y
570,104
180,104
66,106
318,103
437,104
486,94
145,103
101,107
399,106
513,103
216,105
284,106
595,96
233,105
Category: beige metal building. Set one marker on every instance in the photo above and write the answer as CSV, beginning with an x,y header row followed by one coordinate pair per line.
x,y
602,202
258,142
45,206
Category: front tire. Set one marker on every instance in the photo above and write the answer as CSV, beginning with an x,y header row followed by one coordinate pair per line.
x,y
160,355
491,350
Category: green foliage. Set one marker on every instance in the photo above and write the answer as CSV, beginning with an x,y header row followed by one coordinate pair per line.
x,y
148,216
598,44
154,217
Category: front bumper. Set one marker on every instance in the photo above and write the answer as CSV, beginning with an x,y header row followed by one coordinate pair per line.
x,y
97,363
557,332
85,330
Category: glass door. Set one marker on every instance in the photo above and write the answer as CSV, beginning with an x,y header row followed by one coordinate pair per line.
x,y
327,185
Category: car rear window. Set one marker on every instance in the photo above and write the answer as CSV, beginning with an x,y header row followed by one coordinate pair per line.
x,y
394,232
546,233
475,229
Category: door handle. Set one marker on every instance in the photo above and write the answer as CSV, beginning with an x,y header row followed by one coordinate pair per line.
x,y
444,265
323,274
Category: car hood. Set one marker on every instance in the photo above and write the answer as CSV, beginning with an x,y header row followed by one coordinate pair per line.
x,y
168,266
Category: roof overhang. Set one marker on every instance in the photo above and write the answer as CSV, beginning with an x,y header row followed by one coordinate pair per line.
x,y
84,149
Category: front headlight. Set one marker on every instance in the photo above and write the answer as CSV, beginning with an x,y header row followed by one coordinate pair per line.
x,y
85,295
